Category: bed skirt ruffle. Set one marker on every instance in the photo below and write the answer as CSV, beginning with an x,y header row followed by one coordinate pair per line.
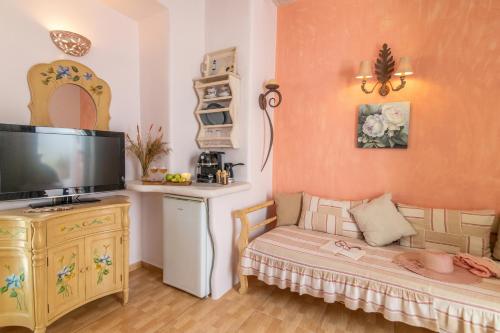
x,y
395,303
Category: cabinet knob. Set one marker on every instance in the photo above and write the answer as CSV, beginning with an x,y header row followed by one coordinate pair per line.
x,y
82,270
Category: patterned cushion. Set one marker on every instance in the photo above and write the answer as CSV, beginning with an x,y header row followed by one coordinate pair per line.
x,y
330,216
449,230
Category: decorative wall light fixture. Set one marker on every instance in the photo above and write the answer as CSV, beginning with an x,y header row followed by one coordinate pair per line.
x,y
274,101
70,42
384,69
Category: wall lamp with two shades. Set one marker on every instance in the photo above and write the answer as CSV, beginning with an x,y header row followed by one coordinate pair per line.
x,y
384,69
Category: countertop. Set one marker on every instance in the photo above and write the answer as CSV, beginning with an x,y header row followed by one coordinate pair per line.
x,y
198,190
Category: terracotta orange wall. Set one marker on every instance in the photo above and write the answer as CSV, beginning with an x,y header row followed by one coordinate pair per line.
x,y
453,158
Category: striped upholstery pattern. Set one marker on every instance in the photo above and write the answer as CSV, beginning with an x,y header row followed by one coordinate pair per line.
x,y
330,216
448,230
289,257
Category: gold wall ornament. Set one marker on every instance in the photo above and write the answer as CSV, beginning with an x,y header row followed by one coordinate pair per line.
x,y
384,69
44,79
70,42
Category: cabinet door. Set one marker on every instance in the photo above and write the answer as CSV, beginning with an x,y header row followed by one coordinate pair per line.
x,y
66,277
104,255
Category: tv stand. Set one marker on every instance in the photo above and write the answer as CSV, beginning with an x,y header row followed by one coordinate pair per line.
x,y
60,201
34,247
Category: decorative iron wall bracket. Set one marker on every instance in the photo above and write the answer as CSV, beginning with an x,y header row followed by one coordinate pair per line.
x,y
273,102
384,69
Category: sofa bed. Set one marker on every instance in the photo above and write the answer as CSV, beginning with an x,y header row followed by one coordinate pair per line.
x,y
293,255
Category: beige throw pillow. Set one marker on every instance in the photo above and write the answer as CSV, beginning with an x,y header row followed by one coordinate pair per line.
x,y
450,230
330,216
380,221
288,208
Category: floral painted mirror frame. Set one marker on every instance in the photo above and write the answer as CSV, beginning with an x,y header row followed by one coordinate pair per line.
x,y
44,79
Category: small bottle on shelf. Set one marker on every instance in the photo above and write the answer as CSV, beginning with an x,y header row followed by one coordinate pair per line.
x,y
223,177
218,179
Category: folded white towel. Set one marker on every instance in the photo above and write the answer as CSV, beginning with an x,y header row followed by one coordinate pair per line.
x,y
352,253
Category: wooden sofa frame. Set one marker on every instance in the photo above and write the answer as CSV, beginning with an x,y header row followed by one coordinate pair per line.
x,y
246,229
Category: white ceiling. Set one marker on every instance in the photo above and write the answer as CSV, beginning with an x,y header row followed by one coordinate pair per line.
x,y
140,9
135,9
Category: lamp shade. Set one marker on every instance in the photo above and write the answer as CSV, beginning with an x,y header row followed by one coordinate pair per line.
x,y
404,68
365,70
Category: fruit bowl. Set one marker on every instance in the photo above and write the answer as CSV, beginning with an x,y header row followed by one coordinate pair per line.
x,y
181,179
187,183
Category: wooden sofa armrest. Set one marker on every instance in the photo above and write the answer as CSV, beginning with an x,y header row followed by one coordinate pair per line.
x,y
246,228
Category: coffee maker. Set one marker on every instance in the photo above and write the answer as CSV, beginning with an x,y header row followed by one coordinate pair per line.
x,y
208,164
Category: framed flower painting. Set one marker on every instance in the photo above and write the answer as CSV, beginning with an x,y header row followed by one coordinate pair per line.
x,y
383,125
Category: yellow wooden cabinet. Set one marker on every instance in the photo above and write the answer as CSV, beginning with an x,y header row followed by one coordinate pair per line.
x,y
54,262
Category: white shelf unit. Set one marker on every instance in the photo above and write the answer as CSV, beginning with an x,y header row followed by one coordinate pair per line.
x,y
218,135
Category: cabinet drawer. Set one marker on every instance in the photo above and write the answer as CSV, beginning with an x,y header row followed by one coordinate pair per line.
x,y
72,226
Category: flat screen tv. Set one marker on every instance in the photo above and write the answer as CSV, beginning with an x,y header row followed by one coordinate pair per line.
x,y
45,162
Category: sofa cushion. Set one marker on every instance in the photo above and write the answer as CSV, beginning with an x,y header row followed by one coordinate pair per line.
x,y
449,230
328,215
288,208
380,221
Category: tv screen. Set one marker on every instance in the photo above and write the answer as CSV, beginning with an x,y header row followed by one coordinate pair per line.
x,y
48,162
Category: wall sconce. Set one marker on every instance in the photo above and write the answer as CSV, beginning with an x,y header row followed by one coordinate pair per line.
x,y
274,101
70,43
384,68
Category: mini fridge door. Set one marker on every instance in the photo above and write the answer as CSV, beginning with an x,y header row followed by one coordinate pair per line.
x,y
187,248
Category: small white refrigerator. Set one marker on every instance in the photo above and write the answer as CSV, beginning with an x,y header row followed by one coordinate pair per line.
x,y
187,245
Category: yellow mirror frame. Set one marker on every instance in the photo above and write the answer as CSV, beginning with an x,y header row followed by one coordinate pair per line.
x,y
44,79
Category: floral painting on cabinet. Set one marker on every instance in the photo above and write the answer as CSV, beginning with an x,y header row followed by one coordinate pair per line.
x,y
14,287
383,125
102,263
65,275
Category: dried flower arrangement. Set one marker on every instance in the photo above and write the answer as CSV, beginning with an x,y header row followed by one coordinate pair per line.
x,y
150,149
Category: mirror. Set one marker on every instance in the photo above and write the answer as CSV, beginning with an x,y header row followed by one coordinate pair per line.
x,y
65,93
72,106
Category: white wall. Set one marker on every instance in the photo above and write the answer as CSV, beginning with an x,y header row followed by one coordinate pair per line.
x,y
263,14
154,85
114,56
186,50
234,30
197,27
250,25
155,97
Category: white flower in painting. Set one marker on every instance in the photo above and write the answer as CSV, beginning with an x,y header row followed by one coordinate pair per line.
x,y
393,116
375,125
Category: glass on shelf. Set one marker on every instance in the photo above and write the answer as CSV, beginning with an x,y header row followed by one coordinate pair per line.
x,y
157,173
